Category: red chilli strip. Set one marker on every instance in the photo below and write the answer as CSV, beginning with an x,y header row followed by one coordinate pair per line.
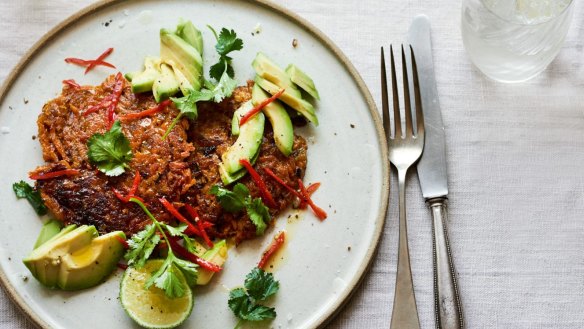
x,y
191,229
54,174
101,57
117,92
310,189
120,196
281,182
195,216
122,241
83,62
123,266
258,108
275,246
320,214
111,101
71,83
135,183
145,113
184,253
266,195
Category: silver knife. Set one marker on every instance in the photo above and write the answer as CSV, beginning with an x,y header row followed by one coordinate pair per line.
x,y
433,179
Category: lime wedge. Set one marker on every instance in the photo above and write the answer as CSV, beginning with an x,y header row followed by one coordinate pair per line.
x,y
152,308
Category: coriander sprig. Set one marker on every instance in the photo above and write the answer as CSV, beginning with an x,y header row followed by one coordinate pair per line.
x,y
111,151
142,245
239,199
222,72
259,286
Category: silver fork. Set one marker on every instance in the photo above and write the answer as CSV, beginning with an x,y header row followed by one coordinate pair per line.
x,y
404,150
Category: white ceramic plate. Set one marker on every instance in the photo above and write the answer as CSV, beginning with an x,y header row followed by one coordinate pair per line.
x,y
323,261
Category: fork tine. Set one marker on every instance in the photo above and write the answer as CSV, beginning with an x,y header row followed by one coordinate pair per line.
x,y
418,97
407,105
384,99
396,115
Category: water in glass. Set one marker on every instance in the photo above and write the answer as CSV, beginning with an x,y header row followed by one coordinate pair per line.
x,y
514,40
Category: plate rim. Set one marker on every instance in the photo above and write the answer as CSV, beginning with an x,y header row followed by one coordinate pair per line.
x,y
288,14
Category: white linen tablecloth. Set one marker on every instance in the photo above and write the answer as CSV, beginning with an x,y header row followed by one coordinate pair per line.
x,y
515,163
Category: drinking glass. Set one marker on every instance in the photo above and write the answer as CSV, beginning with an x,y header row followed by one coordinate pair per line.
x,y
514,40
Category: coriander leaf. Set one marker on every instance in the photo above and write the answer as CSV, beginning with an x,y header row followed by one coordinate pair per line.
x,y
23,190
230,201
260,313
241,190
228,42
110,152
217,69
239,302
188,269
187,105
166,278
141,246
260,284
175,231
224,88
258,213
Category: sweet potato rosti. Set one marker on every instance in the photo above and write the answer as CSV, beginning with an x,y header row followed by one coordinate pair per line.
x,y
181,168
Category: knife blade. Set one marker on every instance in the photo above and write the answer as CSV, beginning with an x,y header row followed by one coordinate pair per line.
x,y
432,165
433,179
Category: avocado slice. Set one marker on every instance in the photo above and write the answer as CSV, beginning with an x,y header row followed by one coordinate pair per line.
x,y
51,228
166,84
75,259
183,57
237,115
302,80
142,81
228,178
267,69
247,144
189,33
63,231
216,255
279,118
297,103
88,266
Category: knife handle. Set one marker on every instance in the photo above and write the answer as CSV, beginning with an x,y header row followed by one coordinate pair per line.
x,y
447,307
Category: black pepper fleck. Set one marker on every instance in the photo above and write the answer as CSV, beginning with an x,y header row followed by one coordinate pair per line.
x,y
349,248
25,100
352,125
294,43
33,137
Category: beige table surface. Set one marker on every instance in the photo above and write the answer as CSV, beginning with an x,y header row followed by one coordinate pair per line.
x,y
515,162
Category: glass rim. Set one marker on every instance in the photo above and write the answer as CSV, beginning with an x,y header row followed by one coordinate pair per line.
x,y
525,24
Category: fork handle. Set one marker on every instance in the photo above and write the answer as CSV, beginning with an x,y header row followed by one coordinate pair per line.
x,y
405,312
447,307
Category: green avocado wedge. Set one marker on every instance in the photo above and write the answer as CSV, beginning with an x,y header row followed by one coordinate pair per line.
x,y
166,84
247,144
267,69
76,259
302,80
189,33
216,255
142,81
279,118
297,103
182,56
